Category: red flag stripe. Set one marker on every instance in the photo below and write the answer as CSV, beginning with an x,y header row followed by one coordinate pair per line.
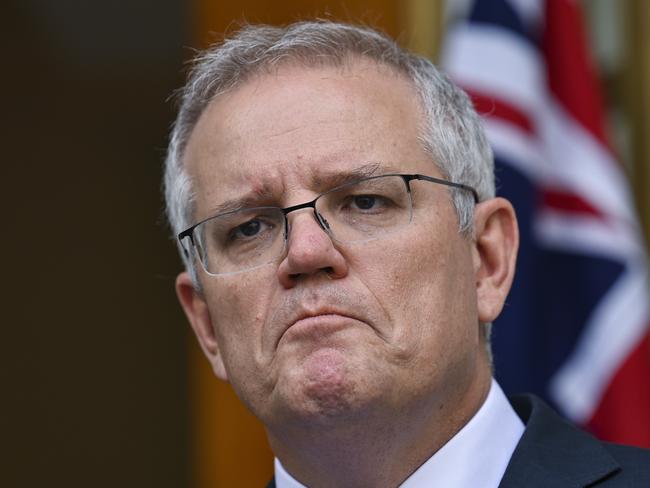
x,y
571,73
569,202
622,414
491,107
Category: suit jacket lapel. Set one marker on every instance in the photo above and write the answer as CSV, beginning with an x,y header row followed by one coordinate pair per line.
x,y
552,452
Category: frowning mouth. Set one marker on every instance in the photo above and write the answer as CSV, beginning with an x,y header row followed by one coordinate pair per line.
x,y
321,319
317,325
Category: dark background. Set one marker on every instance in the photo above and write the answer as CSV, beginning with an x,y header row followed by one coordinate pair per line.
x,y
94,367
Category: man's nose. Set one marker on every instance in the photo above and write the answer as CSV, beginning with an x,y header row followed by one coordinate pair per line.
x,y
310,251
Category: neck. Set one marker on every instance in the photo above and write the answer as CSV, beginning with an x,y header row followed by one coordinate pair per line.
x,y
364,449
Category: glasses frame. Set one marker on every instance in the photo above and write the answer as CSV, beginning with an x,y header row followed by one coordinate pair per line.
x,y
407,178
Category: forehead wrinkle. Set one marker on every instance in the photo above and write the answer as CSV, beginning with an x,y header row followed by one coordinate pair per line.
x,y
326,179
260,194
265,192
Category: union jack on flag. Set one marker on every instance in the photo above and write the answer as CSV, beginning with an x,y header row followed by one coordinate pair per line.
x,y
575,328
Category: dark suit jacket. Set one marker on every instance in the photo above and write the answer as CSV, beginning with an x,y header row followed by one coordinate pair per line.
x,y
554,454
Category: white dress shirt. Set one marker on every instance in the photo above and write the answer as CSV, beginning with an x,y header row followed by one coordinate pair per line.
x,y
476,456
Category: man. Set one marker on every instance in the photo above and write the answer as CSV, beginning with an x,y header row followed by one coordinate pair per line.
x,y
345,254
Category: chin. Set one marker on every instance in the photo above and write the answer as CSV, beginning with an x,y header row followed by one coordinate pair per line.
x,y
323,386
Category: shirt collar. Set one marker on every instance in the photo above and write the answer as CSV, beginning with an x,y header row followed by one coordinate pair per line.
x,y
476,456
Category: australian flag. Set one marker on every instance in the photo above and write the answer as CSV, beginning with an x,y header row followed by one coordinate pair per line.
x,y
575,328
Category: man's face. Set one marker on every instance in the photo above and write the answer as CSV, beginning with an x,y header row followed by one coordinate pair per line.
x,y
334,329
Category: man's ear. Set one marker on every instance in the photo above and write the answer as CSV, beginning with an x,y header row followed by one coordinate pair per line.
x,y
198,314
495,254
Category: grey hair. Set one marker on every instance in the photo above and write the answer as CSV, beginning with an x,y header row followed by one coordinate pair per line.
x,y
452,133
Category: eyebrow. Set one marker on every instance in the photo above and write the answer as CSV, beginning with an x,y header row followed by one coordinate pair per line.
x,y
249,200
327,181
322,182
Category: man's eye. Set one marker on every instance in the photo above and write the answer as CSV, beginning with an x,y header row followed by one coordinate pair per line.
x,y
370,203
249,229
365,202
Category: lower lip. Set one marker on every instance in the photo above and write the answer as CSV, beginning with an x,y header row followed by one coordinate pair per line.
x,y
318,326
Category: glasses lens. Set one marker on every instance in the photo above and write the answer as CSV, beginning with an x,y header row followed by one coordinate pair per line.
x,y
240,240
367,209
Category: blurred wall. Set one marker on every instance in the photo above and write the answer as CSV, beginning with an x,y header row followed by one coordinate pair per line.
x,y
94,370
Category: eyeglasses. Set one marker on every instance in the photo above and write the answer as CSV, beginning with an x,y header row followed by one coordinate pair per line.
x,y
366,209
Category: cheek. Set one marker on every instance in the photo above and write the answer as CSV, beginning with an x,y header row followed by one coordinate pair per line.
x,y
237,308
427,288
